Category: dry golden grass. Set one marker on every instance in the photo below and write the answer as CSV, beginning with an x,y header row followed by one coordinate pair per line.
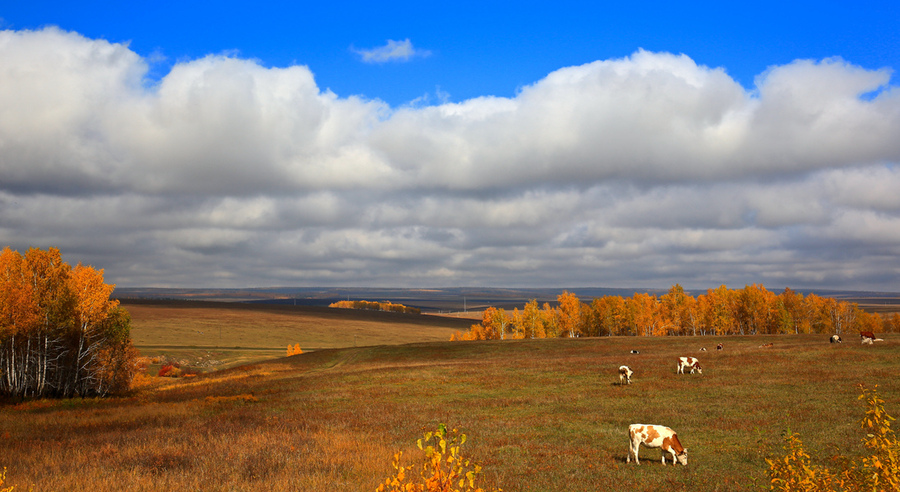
x,y
210,324
541,415
214,335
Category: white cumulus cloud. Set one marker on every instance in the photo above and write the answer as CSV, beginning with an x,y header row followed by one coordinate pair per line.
x,y
645,170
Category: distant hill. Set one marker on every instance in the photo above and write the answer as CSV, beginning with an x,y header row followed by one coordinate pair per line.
x,y
453,299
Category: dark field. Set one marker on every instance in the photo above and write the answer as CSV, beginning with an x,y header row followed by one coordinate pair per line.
x,y
542,415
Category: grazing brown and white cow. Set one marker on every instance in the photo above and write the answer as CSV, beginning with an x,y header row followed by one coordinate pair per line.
x,y
625,373
868,338
720,347
836,339
691,362
655,436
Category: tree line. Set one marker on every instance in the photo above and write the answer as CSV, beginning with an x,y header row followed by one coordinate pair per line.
x,y
60,333
376,306
722,311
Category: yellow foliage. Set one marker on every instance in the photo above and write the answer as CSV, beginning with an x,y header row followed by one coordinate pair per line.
x,y
3,479
375,306
443,469
295,350
721,311
881,471
878,472
794,472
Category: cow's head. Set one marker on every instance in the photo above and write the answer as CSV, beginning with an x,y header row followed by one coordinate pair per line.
x,y
698,368
682,457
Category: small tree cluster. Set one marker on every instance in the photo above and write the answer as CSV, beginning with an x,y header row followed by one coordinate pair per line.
x,y
376,306
60,333
443,469
295,350
721,311
172,370
879,471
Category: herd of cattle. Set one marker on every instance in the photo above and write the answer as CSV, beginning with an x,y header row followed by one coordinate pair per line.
x,y
660,436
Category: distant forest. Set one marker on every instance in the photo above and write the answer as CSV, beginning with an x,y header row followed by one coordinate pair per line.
x,y
721,311
376,306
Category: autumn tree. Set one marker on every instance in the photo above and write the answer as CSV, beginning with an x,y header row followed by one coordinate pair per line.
x,y
892,323
60,333
495,323
717,312
840,315
813,309
790,313
610,315
863,321
679,311
645,314
753,310
528,323
570,315
720,311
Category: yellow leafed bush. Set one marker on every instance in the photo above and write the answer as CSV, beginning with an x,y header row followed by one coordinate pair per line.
x,y
881,470
878,472
443,469
794,472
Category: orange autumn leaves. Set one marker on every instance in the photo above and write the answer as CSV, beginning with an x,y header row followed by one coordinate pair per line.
x,y
720,311
375,306
60,333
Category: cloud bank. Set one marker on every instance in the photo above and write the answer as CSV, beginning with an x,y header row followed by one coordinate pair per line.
x,y
642,171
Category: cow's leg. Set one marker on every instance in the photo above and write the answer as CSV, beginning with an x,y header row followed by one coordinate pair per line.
x,y
634,450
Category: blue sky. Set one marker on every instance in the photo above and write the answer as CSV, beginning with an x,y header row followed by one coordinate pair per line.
x,y
479,48
557,144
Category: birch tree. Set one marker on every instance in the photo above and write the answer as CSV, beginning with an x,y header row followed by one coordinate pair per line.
x,y
60,333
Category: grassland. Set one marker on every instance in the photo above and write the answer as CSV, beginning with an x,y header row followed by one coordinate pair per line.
x,y
541,415
216,335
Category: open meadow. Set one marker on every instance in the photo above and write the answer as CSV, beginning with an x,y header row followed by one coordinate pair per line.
x,y
209,335
540,415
